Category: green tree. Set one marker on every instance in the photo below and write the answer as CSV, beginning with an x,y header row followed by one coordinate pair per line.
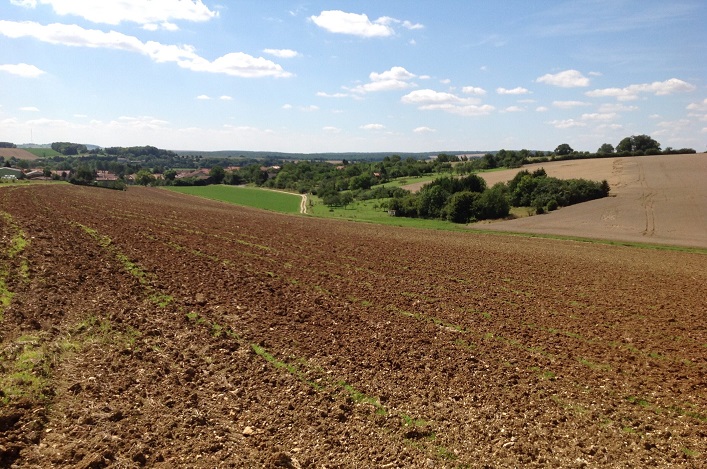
x,y
492,203
563,149
216,174
606,149
460,205
625,145
144,177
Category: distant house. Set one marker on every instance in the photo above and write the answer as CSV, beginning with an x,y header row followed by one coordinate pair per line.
x,y
202,173
34,174
106,176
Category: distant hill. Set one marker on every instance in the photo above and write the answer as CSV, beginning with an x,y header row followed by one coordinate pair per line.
x,y
351,156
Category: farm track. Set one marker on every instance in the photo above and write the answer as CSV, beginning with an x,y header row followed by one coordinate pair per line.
x,y
170,331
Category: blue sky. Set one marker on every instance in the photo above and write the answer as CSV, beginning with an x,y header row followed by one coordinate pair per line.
x,y
342,76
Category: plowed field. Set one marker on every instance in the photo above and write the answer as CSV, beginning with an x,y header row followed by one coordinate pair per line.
x,y
148,328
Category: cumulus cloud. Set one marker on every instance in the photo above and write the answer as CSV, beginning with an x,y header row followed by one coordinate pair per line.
x,y
323,94
373,127
282,53
567,123
514,109
599,116
397,78
22,70
341,22
235,63
331,129
29,109
203,97
542,109
569,104
165,26
698,106
115,12
566,79
474,90
225,98
516,90
616,107
424,130
632,92
430,100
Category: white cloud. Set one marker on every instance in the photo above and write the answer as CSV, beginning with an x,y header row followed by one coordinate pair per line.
x,y
517,90
430,100
235,63
203,97
310,108
566,79
115,12
514,109
166,26
340,22
473,90
699,106
424,130
412,26
542,109
566,123
373,127
597,116
616,107
29,109
595,74
445,81
225,98
322,94
397,78
22,70
282,53
330,129
569,104
631,92
287,106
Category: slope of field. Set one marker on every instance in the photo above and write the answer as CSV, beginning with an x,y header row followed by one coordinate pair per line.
x,y
149,328
18,153
655,199
277,201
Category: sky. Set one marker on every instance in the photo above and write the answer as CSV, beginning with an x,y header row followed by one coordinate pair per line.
x,y
353,76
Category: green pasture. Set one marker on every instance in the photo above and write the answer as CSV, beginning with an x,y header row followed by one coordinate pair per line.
x,y
248,196
43,152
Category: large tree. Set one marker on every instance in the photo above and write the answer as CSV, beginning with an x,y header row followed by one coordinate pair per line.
x,y
563,149
606,149
638,143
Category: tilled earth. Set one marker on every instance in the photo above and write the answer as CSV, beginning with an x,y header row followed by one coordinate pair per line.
x,y
147,328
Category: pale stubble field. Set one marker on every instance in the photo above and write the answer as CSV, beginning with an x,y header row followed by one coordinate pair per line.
x,y
654,199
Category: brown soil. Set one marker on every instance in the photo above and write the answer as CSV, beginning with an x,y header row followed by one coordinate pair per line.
x,y
148,328
18,153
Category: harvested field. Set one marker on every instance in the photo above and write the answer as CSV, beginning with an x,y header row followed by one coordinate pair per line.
x,y
654,199
18,153
149,328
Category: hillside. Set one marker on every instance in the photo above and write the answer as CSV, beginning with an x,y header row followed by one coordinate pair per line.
x,y
149,328
654,199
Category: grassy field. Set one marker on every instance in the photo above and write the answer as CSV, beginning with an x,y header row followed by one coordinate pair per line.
x,y
369,211
248,196
43,152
